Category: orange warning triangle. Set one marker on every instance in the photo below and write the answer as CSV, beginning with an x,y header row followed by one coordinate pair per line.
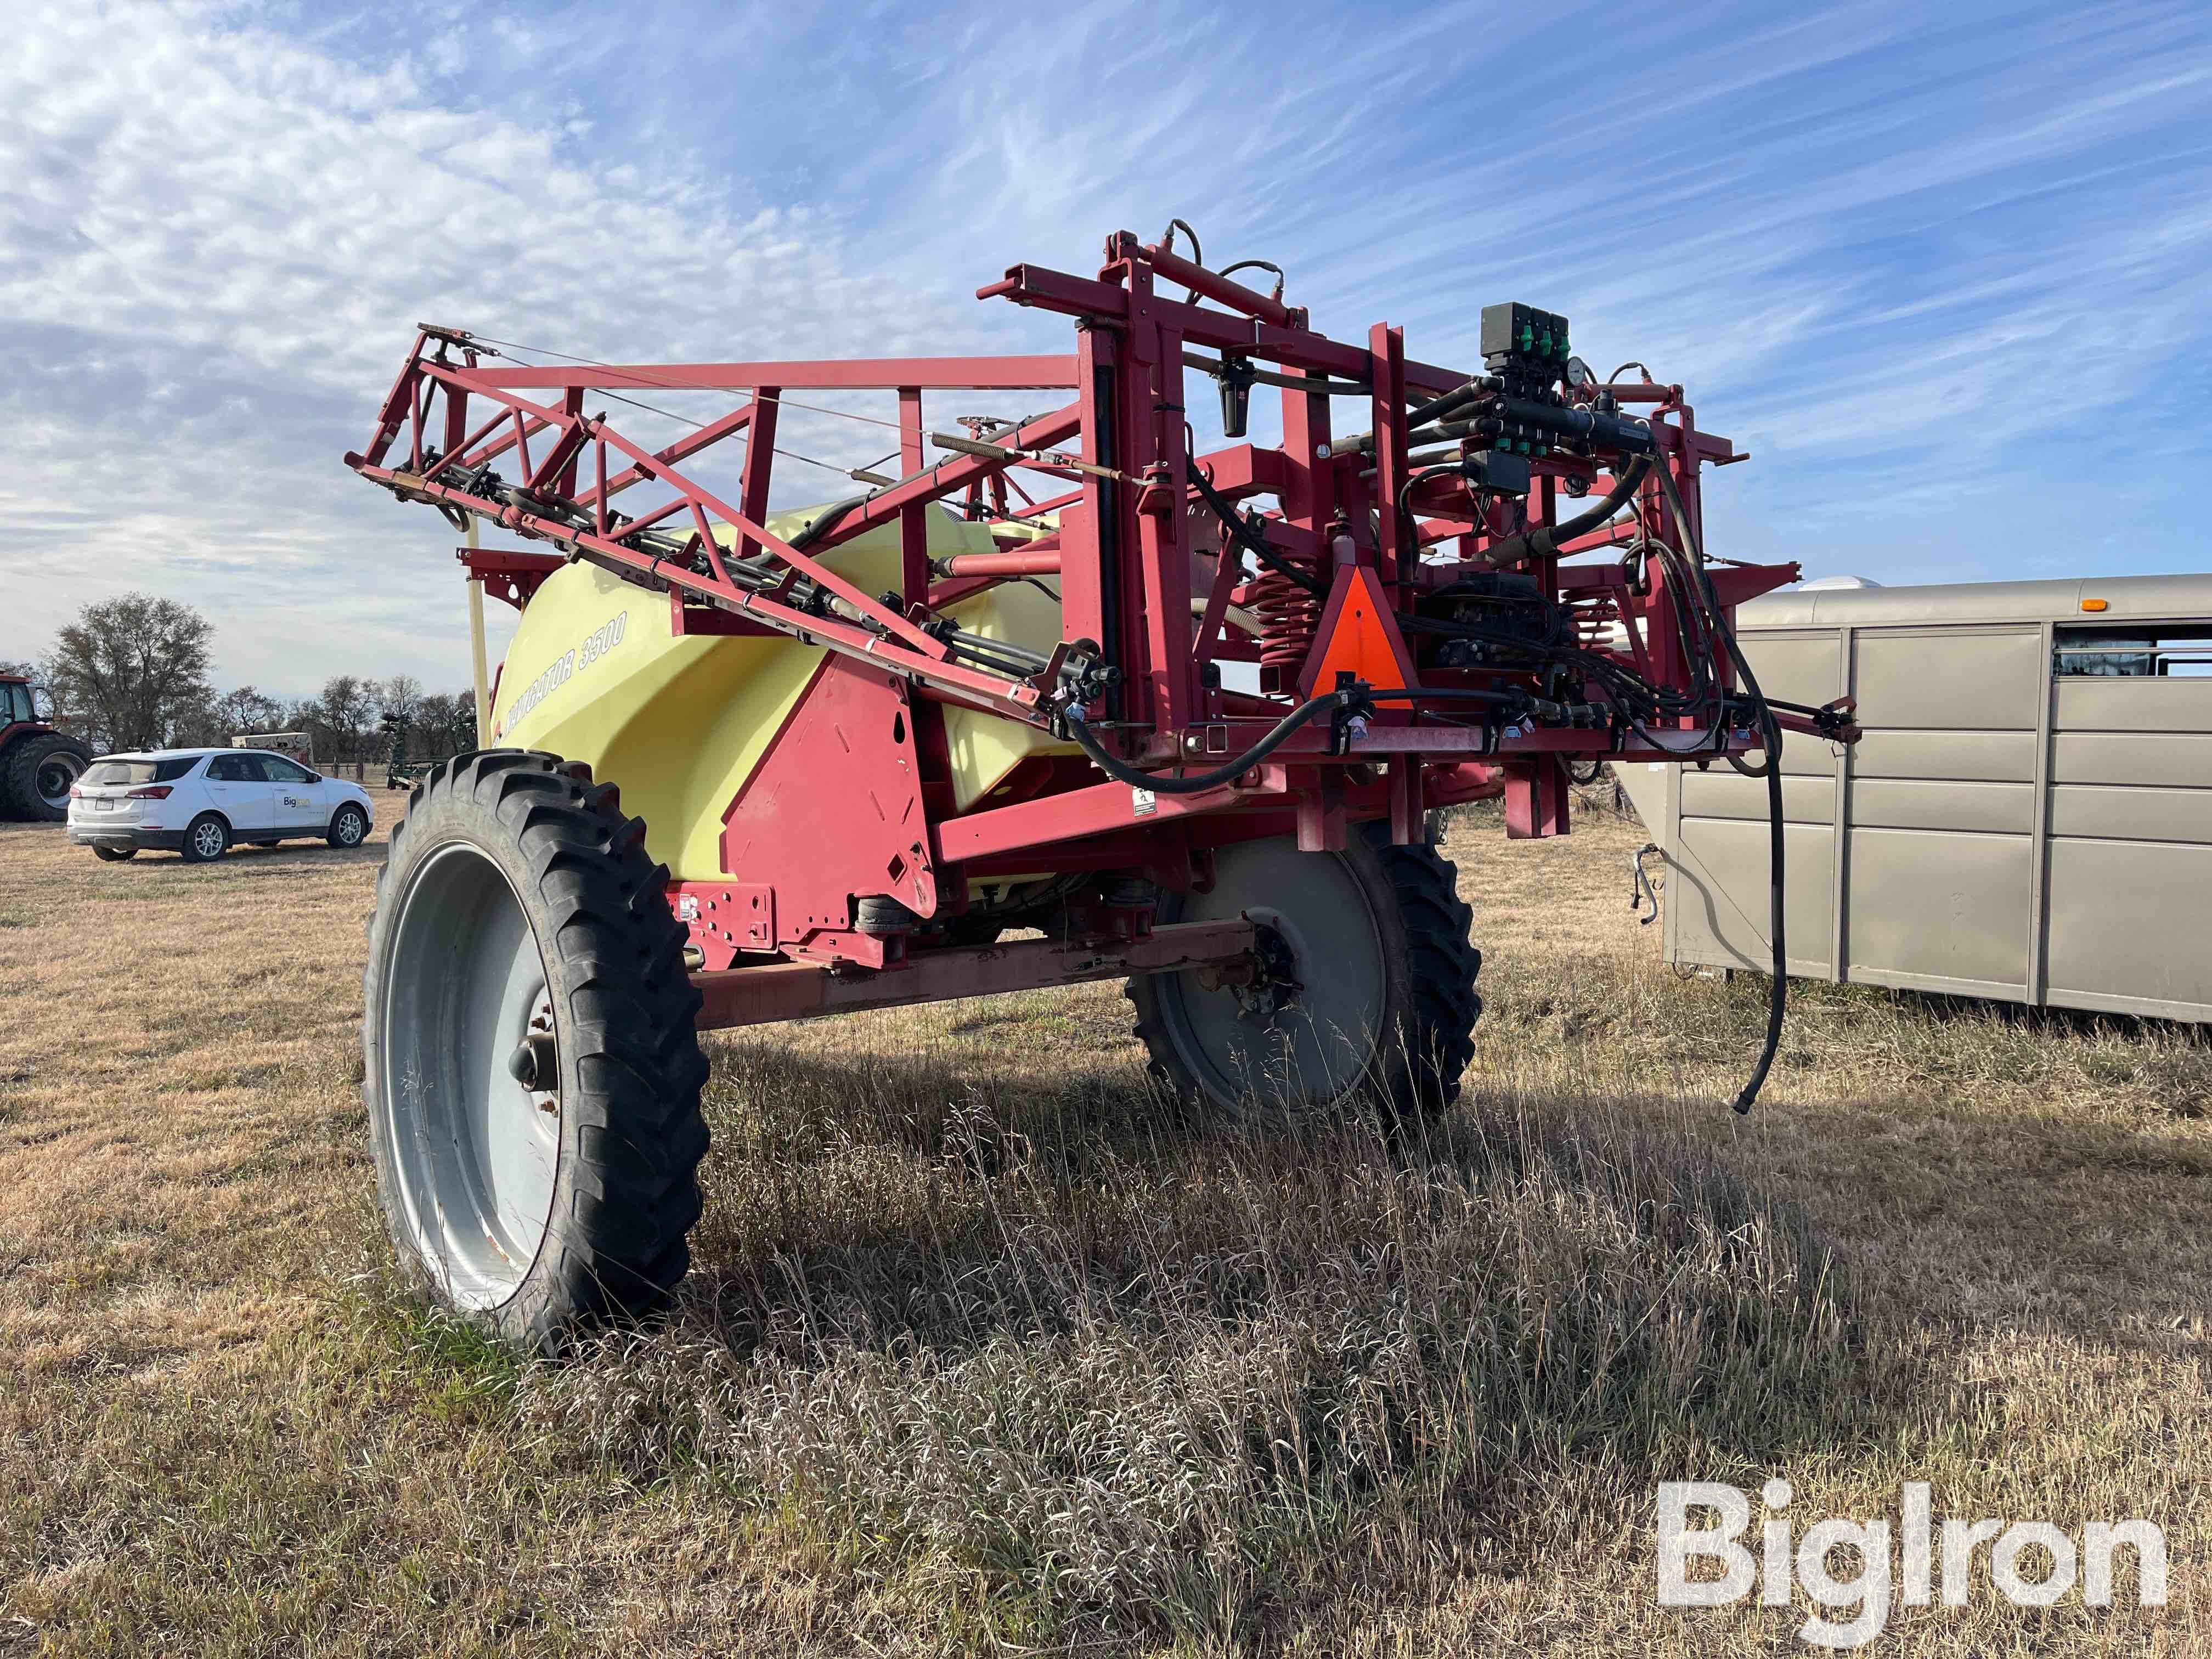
x,y
1358,636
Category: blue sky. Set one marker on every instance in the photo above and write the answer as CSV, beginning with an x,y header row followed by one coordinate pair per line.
x,y
1941,270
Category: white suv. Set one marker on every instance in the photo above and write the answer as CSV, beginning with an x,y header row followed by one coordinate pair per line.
x,y
202,802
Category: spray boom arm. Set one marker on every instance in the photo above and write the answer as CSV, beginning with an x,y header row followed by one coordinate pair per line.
x,y
1440,556
1500,573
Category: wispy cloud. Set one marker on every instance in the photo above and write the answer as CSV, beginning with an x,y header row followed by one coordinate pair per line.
x,y
1941,271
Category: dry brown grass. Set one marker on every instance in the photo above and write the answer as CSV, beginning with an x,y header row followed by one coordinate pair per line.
x,y
984,1351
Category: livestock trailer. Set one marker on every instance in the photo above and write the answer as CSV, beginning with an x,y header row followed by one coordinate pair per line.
x,y
2027,815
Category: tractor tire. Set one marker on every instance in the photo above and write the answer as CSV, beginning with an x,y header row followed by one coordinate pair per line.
x,y
531,1066
39,771
114,854
1373,939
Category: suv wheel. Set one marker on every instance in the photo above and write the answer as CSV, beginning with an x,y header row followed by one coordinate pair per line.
x,y
207,839
348,826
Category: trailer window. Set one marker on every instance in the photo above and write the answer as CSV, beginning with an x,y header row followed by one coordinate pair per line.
x,y
2154,651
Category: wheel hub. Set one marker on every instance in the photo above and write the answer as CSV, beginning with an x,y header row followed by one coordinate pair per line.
x,y
1263,980
536,1062
1297,1020
54,779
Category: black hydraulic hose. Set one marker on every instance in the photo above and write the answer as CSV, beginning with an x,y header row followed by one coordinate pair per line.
x,y
1349,698
1250,540
1777,994
822,524
1256,264
1536,543
1436,408
1427,414
1121,772
1771,729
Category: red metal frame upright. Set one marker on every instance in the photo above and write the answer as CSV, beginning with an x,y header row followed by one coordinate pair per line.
x,y
1326,521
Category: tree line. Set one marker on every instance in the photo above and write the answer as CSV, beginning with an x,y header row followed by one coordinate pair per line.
x,y
133,672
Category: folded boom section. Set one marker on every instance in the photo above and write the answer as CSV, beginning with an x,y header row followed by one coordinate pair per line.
x,y
1442,583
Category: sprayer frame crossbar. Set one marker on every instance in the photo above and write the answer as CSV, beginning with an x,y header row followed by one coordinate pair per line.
x,y
1123,545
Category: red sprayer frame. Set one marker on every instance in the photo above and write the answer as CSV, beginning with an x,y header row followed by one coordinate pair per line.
x,y
1368,546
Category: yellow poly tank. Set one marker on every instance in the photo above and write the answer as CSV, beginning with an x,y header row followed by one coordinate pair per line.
x,y
595,675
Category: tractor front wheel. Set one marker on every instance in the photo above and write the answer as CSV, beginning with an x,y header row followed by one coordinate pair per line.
x,y
532,1069
1366,992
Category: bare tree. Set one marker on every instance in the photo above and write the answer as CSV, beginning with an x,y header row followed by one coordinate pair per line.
x,y
399,701
342,716
134,668
247,710
230,715
433,723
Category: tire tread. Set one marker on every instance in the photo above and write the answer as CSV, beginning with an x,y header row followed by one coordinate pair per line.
x,y
618,1249
1436,1028
19,775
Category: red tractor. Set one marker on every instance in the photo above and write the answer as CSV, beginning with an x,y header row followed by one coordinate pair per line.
x,y
38,764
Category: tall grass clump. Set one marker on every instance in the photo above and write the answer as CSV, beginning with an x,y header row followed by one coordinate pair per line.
x,y
1144,1380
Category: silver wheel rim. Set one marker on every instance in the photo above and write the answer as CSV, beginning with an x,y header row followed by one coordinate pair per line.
x,y
476,1152
348,828
56,773
1316,1049
208,839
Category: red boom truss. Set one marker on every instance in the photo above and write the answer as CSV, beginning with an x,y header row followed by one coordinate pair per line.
x,y
1363,544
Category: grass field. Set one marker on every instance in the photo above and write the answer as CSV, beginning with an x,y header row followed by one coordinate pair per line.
x,y
983,1351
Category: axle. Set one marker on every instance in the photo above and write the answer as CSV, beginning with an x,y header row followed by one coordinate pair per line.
x,y
762,995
